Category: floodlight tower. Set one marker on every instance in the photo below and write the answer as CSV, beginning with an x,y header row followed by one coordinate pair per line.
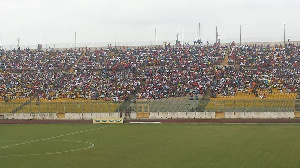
x,y
240,35
217,35
284,33
75,40
199,35
116,38
177,38
182,38
18,42
155,37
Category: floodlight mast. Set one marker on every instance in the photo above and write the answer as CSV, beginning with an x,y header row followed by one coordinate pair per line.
x,y
217,34
155,37
284,33
18,42
116,38
199,35
75,40
240,35
182,38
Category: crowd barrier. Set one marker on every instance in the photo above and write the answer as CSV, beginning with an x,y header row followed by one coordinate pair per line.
x,y
162,105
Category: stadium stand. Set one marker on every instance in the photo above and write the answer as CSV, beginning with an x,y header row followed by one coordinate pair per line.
x,y
167,78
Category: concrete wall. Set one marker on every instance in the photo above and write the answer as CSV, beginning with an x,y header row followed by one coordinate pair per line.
x,y
27,116
89,116
169,115
156,115
259,115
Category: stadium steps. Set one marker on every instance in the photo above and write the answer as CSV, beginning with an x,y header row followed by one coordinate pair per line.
x,y
176,104
124,106
19,108
203,102
225,61
297,105
76,63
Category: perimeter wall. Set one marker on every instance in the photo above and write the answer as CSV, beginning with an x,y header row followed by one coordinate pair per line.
x,y
152,115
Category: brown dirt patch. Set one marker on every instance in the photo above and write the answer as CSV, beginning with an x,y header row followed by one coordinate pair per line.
x,y
164,121
46,121
167,121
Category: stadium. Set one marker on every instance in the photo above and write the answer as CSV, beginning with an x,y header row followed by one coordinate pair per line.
x,y
144,103
155,82
134,87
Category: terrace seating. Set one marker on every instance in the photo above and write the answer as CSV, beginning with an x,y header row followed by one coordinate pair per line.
x,y
70,106
180,104
245,102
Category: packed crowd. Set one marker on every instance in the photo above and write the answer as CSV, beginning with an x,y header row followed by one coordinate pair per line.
x,y
265,67
29,60
147,72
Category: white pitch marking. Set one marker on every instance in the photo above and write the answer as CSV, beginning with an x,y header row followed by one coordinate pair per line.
x,y
53,137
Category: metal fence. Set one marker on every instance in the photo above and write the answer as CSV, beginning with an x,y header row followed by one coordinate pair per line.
x,y
60,107
163,105
259,105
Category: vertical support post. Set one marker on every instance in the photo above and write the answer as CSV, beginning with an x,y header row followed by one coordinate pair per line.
x,y
18,42
182,41
217,35
75,40
109,110
240,35
82,109
65,103
284,34
155,37
199,32
91,110
56,108
116,39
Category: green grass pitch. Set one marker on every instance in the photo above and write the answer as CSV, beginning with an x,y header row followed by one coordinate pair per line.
x,y
170,145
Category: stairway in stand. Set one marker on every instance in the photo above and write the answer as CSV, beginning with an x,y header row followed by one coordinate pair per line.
x,y
76,63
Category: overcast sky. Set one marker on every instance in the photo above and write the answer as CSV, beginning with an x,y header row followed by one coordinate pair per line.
x,y
55,21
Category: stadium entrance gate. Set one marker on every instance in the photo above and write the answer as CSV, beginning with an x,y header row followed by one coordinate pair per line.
x,y
61,111
61,115
220,115
297,114
142,110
